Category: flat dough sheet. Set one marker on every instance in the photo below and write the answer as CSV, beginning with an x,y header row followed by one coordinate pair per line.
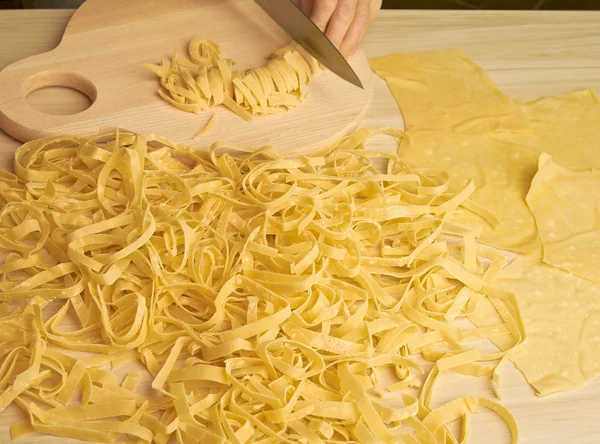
x,y
561,314
460,122
566,207
502,172
568,128
445,90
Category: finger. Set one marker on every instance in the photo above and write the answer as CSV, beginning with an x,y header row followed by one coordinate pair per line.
x,y
306,6
363,18
340,21
375,7
322,10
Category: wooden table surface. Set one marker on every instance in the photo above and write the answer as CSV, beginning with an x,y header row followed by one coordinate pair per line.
x,y
528,54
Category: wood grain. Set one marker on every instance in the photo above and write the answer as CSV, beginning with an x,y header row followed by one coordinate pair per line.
x,y
528,55
102,54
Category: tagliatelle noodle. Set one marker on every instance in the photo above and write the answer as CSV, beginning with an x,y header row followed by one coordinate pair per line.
x,y
210,124
208,81
271,299
204,52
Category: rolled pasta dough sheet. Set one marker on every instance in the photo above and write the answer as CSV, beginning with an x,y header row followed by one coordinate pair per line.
x,y
568,128
502,172
561,314
566,206
445,90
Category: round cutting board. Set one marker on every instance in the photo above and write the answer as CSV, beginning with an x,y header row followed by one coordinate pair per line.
x,y
107,42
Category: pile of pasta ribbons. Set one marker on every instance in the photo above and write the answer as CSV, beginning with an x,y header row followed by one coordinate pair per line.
x,y
208,80
271,299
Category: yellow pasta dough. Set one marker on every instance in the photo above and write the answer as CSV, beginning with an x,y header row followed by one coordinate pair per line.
x,y
566,206
210,124
561,313
446,91
204,52
455,116
502,173
568,128
448,103
266,296
208,80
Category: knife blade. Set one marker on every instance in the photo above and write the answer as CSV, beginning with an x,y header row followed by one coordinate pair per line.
x,y
303,30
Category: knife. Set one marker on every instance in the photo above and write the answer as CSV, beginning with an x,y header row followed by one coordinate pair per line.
x,y
302,29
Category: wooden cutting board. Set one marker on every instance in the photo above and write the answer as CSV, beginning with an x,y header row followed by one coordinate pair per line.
x,y
107,42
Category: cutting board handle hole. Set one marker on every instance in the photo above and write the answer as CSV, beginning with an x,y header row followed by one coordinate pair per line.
x,y
71,93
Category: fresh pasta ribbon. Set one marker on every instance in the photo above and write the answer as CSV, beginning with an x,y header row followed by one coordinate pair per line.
x,y
210,124
204,52
208,81
270,299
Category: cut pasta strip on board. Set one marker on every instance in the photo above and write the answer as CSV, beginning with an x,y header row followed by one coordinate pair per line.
x,y
271,299
210,124
208,81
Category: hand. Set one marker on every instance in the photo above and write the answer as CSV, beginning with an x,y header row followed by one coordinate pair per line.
x,y
345,22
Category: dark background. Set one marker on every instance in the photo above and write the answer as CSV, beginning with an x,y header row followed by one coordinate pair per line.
x,y
494,4
387,4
